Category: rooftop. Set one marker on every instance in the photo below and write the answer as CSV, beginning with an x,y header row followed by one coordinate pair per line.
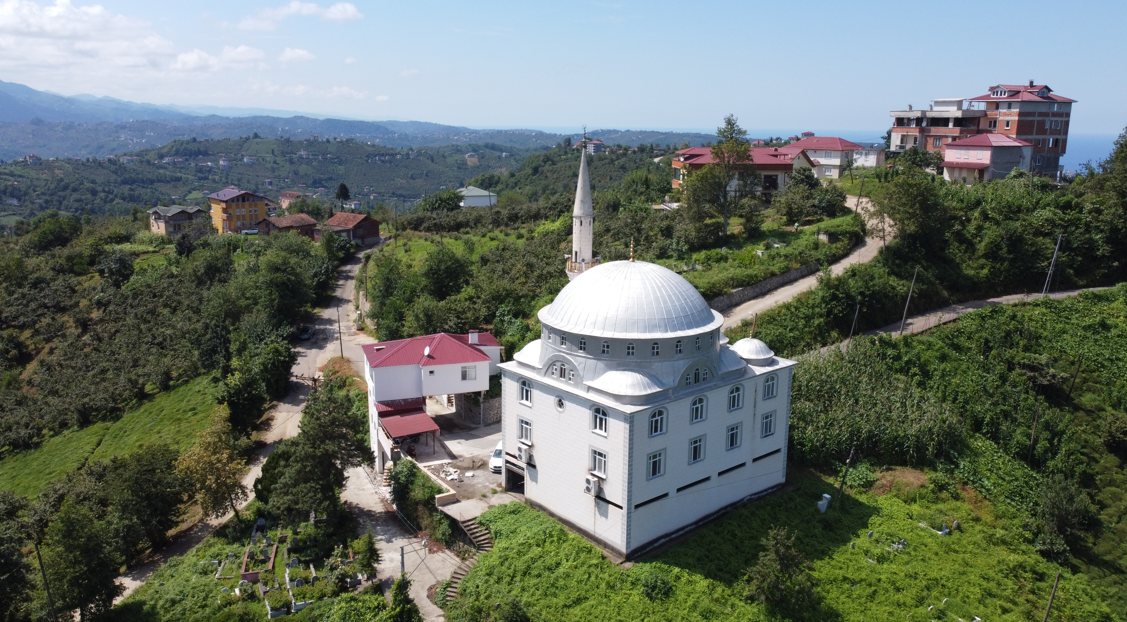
x,y
825,142
345,219
989,140
175,209
440,349
293,220
231,192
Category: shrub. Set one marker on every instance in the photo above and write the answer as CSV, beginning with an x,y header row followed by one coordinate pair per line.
x,y
654,580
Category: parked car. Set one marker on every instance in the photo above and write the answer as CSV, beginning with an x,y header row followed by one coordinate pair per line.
x,y
305,332
497,460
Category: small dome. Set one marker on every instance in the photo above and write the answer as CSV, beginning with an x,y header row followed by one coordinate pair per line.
x,y
630,299
754,351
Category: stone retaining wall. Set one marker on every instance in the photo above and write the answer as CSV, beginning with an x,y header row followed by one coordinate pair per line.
x,y
744,294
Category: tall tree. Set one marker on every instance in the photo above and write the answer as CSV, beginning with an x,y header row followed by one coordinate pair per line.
x,y
81,562
343,194
731,157
780,578
215,470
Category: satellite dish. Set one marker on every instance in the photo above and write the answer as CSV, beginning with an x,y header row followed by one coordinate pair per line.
x,y
426,351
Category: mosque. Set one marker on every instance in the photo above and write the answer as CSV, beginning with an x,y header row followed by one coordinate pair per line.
x,y
632,419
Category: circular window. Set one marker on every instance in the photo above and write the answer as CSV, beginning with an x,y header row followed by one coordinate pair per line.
x,y
559,403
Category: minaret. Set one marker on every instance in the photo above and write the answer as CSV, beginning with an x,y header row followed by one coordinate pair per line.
x,y
582,222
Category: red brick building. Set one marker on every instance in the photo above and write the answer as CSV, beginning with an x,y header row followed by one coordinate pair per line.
x,y
302,223
359,228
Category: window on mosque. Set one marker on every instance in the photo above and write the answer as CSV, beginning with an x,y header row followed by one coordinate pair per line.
x,y
697,410
655,349
655,464
526,392
770,386
732,439
599,421
736,398
629,349
657,422
696,449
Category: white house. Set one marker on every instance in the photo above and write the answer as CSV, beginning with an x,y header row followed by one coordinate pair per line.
x,y
984,157
401,374
868,158
473,196
829,154
631,419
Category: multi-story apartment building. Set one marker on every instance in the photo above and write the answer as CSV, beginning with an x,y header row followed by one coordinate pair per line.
x,y
234,210
1029,112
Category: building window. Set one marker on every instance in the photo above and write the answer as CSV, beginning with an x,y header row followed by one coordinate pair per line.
x,y
549,336
1052,142
704,375
736,398
655,464
697,410
978,154
689,379
677,347
599,421
554,369
559,403
698,343
563,340
657,422
732,437
696,449
469,372
770,386
826,170
696,376
598,463
1007,125
992,124
1038,142
526,392
937,141
571,374
655,349
525,431
582,345
768,427
629,349
606,347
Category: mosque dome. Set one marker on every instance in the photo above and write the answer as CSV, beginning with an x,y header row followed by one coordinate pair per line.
x,y
754,351
630,299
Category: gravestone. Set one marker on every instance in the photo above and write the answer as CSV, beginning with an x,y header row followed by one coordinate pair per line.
x,y
260,522
254,540
268,542
300,582
225,590
294,562
870,535
230,556
244,582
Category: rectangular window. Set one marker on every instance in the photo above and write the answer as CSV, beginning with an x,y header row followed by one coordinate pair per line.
x,y
606,348
768,427
563,340
525,431
582,345
698,343
826,170
1038,142
733,437
655,464
1007,125
696,449
629,349
599,421
469,372
937,141
598,462
1046,124
655,349
978,154
525,392
678,349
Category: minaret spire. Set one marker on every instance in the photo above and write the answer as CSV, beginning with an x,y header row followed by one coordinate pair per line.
x,y
582,219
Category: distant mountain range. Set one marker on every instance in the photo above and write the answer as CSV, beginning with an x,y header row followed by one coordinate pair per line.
x,y
52,125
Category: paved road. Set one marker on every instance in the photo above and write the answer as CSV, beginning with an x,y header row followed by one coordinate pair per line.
x,y
864,252
284,418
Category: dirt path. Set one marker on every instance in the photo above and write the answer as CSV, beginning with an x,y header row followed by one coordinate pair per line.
x,y
284,418
864,252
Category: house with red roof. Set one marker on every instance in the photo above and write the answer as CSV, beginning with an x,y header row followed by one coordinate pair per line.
x,y
401,374
360,228
830,155
301,223
775,164
984,157
1031,112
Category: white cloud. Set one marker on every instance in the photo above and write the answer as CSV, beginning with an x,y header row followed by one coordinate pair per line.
x,y
345,92
267,19
350,60
382,98
80,40
241,57
293,55
407,73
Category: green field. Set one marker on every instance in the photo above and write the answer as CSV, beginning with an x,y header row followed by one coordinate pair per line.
x,y
987,569
173,418
27,473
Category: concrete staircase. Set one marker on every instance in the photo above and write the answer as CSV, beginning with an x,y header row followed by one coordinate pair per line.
x,y
483,541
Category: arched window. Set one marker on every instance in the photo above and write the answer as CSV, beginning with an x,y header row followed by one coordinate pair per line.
x,y
711,339
571,374
582,344
655,349
599,420
657,422
770,386
736,398
526,392
689,379
698,343
606,347
563,340
696,375
677,347
555,370
697,410
629,349
704,375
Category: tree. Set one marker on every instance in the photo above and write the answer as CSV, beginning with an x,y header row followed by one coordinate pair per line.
x,y
116,266
1064,511
444,201
403,608
780,579
343,194
804,176
214,469
920,158
912,200
13,564
444,272
81,562
735,178
365,552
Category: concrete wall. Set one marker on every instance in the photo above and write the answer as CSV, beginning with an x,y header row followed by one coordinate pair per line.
x,y
446,379
744,294
1005,159
396,383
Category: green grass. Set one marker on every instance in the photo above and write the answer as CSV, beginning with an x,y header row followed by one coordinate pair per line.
x,y
853,187
173,418
988,569
27,473
413,247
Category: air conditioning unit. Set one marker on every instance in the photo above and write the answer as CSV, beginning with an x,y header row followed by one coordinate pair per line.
x,y
524,454
592,486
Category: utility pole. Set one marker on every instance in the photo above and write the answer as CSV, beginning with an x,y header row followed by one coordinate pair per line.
x,y
854,326
1074,375
46,586
908,301
841,489
1051,597
340,337
1052,266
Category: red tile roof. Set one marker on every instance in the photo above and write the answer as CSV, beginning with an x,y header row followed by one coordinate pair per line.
x,y
292,221
345,219
825,142
965,164
289,194
1024,92
391,407
483,339
444,349
409,424
766,158
988,140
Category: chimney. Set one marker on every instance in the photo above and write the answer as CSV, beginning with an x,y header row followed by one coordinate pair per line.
x,y
473,337
909,107
1031,84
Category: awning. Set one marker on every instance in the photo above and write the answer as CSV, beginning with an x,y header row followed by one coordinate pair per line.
x,y
397,407
964,164
398,426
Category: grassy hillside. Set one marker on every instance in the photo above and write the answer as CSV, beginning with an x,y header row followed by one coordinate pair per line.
x,y
28,472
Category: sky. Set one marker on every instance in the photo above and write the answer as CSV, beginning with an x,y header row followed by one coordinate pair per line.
x,y
785,66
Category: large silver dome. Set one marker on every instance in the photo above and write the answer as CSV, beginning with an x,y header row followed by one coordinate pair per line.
x,y
630,299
